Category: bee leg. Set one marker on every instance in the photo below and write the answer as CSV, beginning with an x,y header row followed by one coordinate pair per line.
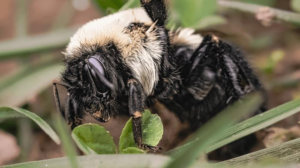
x,y
201,77
156,9
74,113
203,81
198,55
136,106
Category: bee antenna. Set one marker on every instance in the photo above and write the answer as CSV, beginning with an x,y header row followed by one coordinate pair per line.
x,y
56,96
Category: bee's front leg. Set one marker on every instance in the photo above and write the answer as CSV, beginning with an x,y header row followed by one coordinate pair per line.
x,y
136,106
74,114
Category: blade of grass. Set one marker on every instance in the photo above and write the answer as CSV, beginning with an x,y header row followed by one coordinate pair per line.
x,y
21,47
212,129
293,158
10,112
256,123
252,8
100,161
67,143
25,135
287,153
249,126
24,125
17,91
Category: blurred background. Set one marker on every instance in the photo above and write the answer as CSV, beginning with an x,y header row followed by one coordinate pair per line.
x,y
34,33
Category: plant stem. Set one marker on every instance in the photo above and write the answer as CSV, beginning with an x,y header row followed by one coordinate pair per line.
x,y
252,8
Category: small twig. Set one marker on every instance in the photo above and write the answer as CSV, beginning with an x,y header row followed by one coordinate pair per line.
x,y
246,7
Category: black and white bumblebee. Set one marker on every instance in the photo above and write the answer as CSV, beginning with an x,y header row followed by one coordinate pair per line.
x,y
122,63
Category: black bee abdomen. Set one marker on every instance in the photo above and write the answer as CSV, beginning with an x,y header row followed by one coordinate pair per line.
x,y
212,78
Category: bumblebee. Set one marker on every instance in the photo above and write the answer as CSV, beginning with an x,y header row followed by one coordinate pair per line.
x,y
122,63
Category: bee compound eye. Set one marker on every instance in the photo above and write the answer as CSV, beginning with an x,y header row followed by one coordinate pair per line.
x,y
97,72
99,85
91,76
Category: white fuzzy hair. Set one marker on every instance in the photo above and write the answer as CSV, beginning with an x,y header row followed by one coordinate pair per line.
x,y
186,37
142,57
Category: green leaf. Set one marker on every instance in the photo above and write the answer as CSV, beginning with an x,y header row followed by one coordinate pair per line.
x,y
67,143
189,14
211,20
18,91
132,150
100,161
210,131
114,5
152,131
295,4
83,146
12,112
152,128
96,138
126,138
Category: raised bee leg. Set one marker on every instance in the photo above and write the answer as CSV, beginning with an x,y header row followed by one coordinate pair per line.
x,y
156,9
136,106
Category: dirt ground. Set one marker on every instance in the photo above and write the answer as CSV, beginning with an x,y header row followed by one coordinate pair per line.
x,y
242,29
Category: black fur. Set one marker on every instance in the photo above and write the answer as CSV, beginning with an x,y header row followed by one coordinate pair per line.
x,y
213,77
221,61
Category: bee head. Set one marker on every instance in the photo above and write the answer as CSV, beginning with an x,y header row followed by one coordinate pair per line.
x,y
96,81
